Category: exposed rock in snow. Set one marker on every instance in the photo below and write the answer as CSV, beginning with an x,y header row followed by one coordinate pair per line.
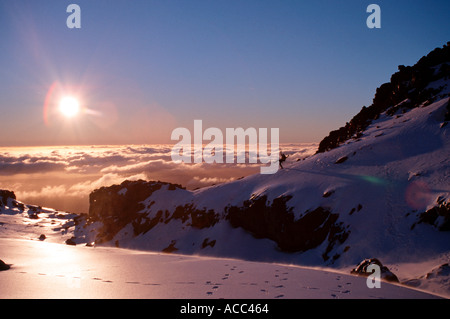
x,y
3,266
362,270
438,216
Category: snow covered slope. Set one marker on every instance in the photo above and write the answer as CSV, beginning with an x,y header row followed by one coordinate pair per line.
x,y
40,266
363,199
382,192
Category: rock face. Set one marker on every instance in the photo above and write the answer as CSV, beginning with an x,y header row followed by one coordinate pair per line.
x,y
276,222
437,216
361,270
119,205
5,195
122,201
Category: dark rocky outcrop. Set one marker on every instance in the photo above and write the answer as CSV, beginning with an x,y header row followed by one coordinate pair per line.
x,y
385,273
277,222
188,214
206,242
437,216
118,205
71,241
406,90
111,202
171,248
5,195
341,160
4,266
440,271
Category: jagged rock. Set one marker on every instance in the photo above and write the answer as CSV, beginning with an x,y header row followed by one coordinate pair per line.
x,y
207,243
33,215
437,216
277,222
4,195
341,159
71,241
115,207
171,248
112,202
356,209
4,266
328,193
361,270
441,271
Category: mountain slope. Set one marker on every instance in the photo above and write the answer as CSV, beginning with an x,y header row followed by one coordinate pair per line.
x,y
408,88
383,192
365,198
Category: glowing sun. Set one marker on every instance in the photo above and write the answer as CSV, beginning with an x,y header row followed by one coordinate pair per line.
x,y
69,106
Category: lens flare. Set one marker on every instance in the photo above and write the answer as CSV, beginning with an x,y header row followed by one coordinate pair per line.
x,y
418,195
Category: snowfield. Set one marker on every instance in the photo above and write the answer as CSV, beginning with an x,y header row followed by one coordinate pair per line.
x,y
47,270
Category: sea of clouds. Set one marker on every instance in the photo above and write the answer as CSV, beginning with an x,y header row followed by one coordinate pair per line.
x,y
63,177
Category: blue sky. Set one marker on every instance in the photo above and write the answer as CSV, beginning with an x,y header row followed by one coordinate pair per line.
x,y
144,68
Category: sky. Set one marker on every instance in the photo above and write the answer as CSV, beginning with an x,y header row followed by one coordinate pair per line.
x,y
140,69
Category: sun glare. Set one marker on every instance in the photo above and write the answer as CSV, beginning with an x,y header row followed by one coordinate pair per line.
x,y
69,106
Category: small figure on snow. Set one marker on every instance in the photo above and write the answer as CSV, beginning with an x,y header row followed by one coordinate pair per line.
x,y
283,158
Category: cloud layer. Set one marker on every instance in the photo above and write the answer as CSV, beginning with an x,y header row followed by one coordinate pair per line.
x,y
63,177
